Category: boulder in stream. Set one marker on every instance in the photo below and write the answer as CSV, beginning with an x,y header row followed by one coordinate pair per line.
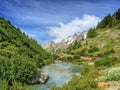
x,y
39,78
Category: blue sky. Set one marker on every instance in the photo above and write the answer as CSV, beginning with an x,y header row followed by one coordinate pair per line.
x,y
54,20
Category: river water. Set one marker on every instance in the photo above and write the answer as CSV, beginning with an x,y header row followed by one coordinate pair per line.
x,y
59,74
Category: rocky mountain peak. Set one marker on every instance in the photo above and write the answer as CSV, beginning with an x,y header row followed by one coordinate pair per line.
x,y
65,42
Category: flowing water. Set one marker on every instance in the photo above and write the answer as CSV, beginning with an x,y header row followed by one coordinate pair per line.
x,y
59,74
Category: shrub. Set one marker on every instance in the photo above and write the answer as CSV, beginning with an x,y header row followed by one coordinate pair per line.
x,y
91,33
110,75
76,57
93,49
16,69
108,52
15,86
82,52
85,69
105,53
107,61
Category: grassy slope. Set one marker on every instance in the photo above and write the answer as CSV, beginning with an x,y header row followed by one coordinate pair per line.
x,y
15,43
106,39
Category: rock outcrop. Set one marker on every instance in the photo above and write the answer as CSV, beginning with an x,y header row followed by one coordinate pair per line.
x,y
39,78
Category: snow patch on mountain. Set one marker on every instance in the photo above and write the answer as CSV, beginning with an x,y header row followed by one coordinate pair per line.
x,y
65,42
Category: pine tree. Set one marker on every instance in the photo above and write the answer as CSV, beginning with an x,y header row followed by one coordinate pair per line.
x,y
116,15
107,21
91,33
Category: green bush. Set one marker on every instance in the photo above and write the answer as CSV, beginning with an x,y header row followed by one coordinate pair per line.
x,y
111,74
85,69
91,33
93,49
82,52
107,61
108,52
4,85
16,69
76,57
15,86
78,84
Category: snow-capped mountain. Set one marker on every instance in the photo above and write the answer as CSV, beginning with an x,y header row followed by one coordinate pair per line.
x,y
65,42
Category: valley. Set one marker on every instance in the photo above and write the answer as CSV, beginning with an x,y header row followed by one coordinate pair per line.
x,y
83,61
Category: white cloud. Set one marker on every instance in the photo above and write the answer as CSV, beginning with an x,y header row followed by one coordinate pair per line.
x,y
76,25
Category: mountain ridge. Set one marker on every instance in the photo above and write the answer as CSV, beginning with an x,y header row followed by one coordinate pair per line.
x,y
64,43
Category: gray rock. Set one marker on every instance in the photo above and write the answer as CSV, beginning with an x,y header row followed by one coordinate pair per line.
x,y
39,78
